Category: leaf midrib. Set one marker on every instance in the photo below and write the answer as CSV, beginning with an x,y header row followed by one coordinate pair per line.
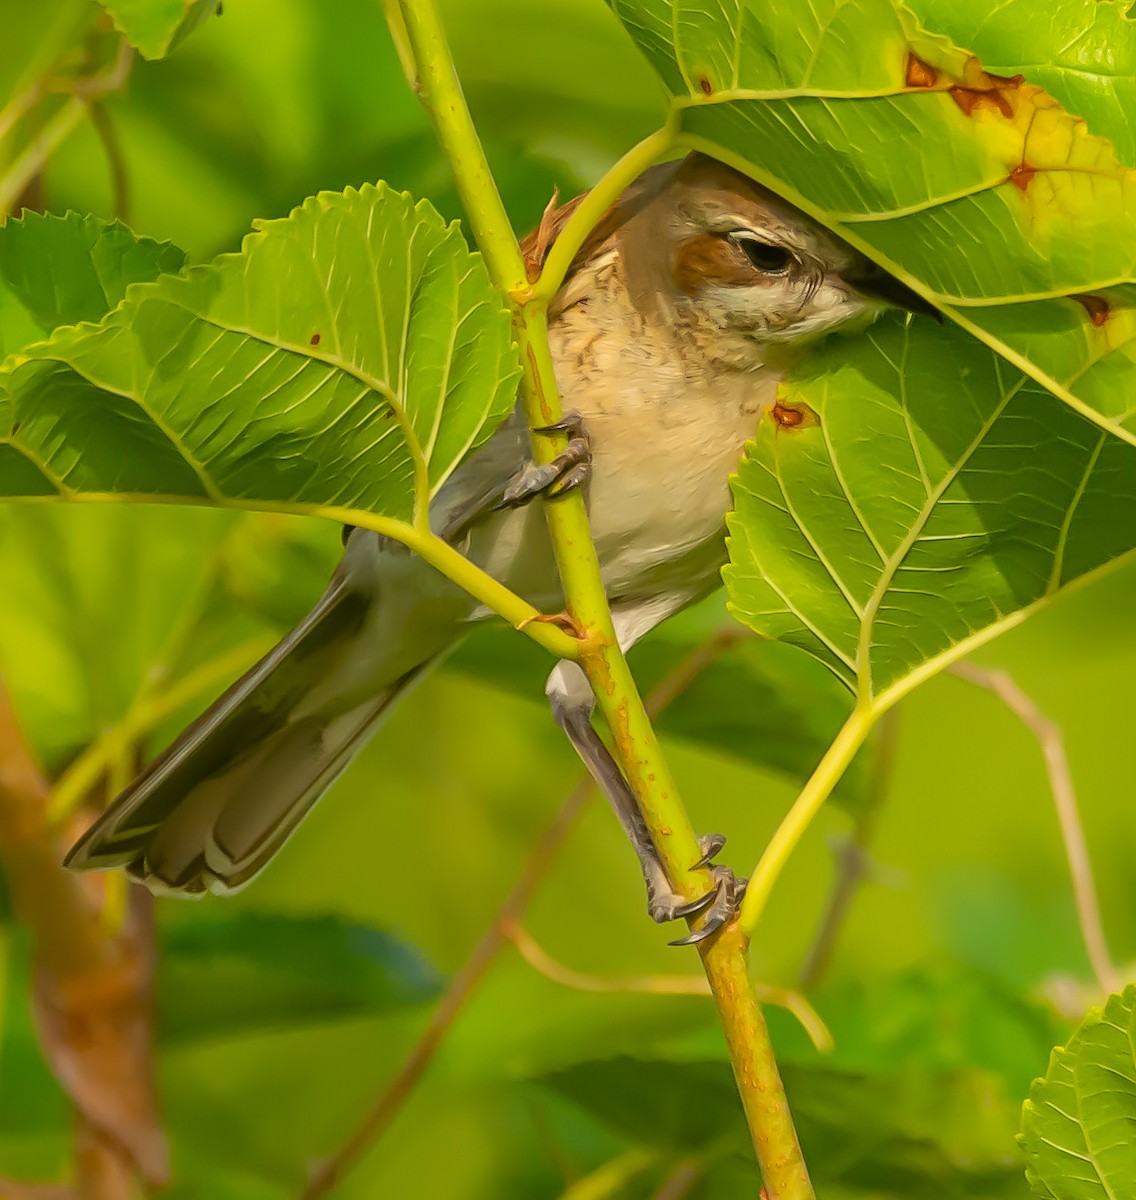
x,y
894,561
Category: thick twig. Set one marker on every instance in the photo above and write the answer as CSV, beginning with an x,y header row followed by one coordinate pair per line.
x,y
1052,744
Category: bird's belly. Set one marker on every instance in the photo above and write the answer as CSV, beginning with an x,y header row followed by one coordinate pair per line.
x,y
659,491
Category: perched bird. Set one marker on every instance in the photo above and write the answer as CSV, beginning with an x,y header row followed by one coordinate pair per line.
x,y
669,336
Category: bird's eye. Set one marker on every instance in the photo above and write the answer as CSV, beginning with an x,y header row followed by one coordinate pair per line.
x,y
765,257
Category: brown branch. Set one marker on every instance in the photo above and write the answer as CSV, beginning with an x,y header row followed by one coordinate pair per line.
x,y
92,989
326,1175
1049,738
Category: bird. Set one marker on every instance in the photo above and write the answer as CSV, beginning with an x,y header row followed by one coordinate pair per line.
x,y
675,323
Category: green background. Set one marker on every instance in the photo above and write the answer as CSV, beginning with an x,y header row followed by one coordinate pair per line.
x,y
278,99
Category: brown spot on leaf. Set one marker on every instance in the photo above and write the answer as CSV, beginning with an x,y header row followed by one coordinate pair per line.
x,y
793,416
1022,176
707,260
979,88
314,340
1097,307
919,73
705,86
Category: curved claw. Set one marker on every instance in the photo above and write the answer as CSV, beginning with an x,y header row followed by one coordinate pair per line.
x,y
693,907
711,846
697,935
719,906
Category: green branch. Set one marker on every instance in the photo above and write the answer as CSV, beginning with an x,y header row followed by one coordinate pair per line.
x,y
635,745
831,767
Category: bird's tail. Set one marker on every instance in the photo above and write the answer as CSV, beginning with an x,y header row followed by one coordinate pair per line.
x,y
212,809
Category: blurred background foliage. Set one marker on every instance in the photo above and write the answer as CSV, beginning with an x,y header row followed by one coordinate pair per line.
x,y
284,1011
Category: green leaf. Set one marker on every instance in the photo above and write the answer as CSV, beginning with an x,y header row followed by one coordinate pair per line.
x,y
1079,1123
249,972
350,355
940,1018
1084,55
921,509
102,607
155,27
674,1105
63,270
979,190
910,1132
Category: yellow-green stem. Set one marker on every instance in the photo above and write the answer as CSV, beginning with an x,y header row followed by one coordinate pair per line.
x,y
819,787
593,206
440,554
636,747
767,1112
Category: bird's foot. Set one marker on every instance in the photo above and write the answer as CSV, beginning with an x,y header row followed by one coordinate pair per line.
x,y
570,469
717,906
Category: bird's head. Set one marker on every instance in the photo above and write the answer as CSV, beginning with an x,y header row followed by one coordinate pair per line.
x,y
738,269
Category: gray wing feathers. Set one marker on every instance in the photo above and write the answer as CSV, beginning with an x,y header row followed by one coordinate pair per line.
x,y
209,812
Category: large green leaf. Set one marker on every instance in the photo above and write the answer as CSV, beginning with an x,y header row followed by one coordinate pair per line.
x,y
915,514
1079,1123
155,27
979,190
1083,53
63,270
909,1132
350,355
104,611
248,972
919,1098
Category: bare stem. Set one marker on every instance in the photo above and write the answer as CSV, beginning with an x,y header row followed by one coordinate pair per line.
x,y
1049,738
544,964
611,1179
464,984
494,940
755,1069
660,985
680,1181
798,819
636,745
60,126
104,127
853,864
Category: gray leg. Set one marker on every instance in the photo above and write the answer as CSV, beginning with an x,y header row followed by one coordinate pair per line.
x,y
572,705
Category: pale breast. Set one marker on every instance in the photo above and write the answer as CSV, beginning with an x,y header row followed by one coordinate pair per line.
x,y
667,429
